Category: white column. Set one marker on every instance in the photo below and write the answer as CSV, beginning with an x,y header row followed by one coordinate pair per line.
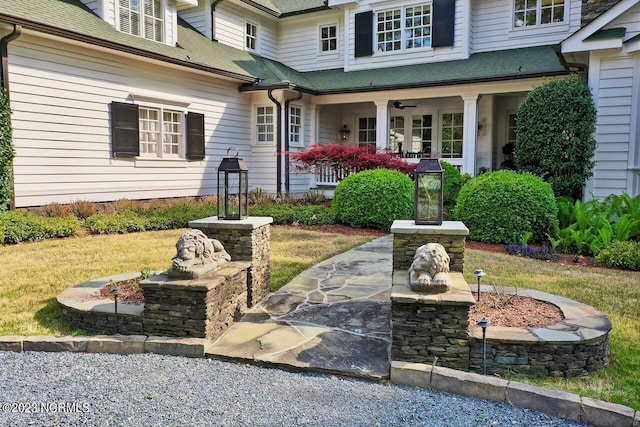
x,y
470,135
382,124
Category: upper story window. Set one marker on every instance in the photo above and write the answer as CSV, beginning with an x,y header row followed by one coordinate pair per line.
x,y
251,36
264,125
328,38
295,125
538,12
403,28
141,18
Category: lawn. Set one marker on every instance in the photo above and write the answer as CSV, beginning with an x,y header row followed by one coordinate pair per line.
x,y
35,273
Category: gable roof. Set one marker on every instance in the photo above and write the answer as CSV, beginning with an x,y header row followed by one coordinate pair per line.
x,y
282,8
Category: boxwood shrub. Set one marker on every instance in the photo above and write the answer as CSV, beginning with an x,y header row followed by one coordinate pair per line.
x,y
451,185
19,226
502,206
374,198
625,255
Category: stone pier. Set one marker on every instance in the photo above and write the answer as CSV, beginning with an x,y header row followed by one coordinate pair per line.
x,y
245,240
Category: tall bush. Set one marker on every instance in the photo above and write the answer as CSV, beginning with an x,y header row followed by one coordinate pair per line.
x,y
451,185
554,135
6,152
503,206
373,198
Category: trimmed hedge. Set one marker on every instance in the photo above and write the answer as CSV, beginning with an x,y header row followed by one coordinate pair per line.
x,y
19,226
288,214
374,198
502,206
7,153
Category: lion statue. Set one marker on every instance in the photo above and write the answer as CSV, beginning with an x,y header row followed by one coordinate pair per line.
x,y
429,271
195,251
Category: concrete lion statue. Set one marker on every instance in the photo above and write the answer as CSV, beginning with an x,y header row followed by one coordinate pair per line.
x,y
429,271
194,250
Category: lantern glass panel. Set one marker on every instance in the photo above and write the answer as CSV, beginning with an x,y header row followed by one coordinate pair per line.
x,y
428,193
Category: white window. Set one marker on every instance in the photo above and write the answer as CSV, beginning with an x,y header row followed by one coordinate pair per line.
x,y
295,125
403,28
396,130
161,132
264,125
328,38
422,135
251,36
538,12
366,129
451,130
141,18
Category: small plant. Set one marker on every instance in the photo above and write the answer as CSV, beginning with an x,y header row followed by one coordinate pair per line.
x,y
121,205
83,209
314,198
145,273
542,253
57,210
374,199
259,196
625,255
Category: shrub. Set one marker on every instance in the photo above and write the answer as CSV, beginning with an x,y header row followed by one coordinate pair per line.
x,y
119,222
374,198
83,209
7,152
502,206
57,210
624,255
19,226
554,135
451,185
259,196
289,214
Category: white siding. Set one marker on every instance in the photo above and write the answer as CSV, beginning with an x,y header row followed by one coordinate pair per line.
x,y
299,43
199,18
492,27
614,81
419,56
630,21
230,29
61,95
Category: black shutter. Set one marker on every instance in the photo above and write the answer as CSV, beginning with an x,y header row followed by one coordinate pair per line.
x,y
364,34
195,136
125,130
444,15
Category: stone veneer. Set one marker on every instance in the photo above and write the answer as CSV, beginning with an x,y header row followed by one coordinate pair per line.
x,y
407,237
199,308
245,240
430,326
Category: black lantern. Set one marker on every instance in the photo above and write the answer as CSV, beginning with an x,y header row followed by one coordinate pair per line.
x,y
233,188
428,196
344,133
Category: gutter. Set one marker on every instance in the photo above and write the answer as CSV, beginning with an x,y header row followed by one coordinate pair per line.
x,y
4,80
122,48
4,53
581,68
286,140
278,139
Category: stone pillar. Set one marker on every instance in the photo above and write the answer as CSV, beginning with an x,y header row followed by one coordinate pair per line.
x,y
245,240
407,237
201,308
429,326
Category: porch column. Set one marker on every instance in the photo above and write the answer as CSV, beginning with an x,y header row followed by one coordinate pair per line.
x,y
470,133
382,124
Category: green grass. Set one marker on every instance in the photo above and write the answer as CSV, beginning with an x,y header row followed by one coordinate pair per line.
x,y
614,292
35,273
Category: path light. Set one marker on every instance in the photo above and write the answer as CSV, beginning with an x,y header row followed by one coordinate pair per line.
x,y
479,273
233,188
116,292
484,324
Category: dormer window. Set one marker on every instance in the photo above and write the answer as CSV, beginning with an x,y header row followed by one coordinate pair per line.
x,y
142,18
404,28
538,12
251,36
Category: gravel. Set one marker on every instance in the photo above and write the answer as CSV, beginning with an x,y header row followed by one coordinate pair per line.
x,y
43,389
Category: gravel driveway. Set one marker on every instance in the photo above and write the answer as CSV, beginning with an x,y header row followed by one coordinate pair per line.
x,y
44,389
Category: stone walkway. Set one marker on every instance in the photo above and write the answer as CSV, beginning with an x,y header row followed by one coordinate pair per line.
x,y
334,317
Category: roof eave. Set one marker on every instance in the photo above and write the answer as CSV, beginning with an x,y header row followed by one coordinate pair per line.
x,y
79,37
278,86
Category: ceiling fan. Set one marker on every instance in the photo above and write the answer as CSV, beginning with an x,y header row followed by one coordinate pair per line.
x,y
398,104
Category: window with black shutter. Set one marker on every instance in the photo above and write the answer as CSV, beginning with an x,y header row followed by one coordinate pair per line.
x,y
444,12
195,136
364,34
125,130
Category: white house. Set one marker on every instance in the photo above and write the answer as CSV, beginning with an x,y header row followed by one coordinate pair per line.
x,y
141,99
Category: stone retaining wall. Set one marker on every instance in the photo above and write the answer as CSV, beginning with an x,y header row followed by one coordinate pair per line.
x,y
198,308
91,321
245,240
